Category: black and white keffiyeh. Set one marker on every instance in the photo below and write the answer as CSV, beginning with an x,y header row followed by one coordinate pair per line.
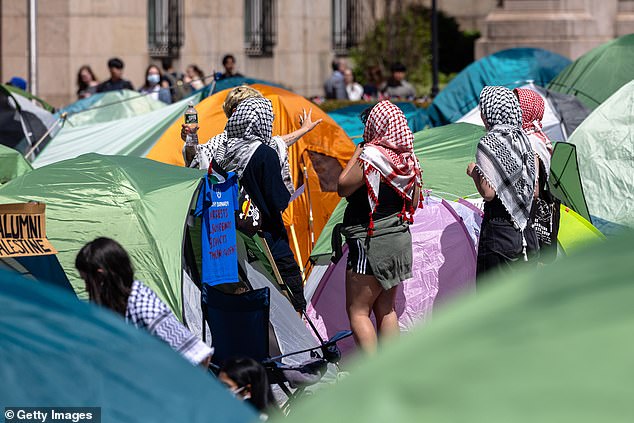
x,y
216,148
146,310
248,127
504,156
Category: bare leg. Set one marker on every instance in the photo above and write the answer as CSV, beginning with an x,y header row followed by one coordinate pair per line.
x,y
385,313
361,293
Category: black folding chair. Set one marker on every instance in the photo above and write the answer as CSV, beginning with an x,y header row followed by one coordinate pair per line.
x,y
239,326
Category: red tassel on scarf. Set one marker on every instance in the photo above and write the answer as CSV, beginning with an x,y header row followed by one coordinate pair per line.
x,y
371,226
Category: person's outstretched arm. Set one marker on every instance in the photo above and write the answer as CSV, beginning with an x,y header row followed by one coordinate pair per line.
x,y
307,125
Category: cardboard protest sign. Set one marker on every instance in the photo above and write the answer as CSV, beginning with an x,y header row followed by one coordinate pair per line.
x,y
23,230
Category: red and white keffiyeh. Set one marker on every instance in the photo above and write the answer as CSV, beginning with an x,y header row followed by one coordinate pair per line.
x,y
532,105
388,155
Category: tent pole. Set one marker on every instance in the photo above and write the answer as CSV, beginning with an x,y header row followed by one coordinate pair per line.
x,y
285,289
33,46
299,253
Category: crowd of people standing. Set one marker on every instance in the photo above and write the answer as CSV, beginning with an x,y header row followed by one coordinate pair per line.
x,y
162,83
341,84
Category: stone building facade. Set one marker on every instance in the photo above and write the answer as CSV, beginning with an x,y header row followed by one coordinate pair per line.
x,y
567,27
290,42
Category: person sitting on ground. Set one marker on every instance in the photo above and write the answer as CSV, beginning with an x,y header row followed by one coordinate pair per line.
x,y
217,146
155,86
116,81
86,82
353,89
504,175
335,86
229,62
195,77
247,380
382,184
106,268
396,86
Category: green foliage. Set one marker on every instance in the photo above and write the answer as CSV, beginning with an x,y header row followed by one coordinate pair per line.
x,y
410,44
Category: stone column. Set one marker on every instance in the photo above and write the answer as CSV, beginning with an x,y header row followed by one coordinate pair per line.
x,y
567,27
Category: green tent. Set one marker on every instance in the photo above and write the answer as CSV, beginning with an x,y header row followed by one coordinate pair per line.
x,y
605,151
565,180
12,164
118,197
34,99
145,206
56,351
444,153
109,106
598,74
134,136
551,345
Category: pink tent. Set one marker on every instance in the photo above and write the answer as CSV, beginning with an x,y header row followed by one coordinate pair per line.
x,y
444,248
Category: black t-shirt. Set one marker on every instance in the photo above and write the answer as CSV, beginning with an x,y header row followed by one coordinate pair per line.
x,y
262,180
110,85
494,209
358,209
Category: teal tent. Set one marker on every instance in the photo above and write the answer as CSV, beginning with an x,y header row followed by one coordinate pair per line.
x,y
133,136
12,164
550,345
115,196
598,74
510,68
56,351
604,145
109,106
348,118
234,81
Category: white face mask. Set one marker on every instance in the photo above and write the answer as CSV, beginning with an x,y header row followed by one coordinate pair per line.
x,y
236,393
153,78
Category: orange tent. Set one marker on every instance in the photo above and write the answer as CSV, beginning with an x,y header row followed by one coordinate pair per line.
x,y
315,160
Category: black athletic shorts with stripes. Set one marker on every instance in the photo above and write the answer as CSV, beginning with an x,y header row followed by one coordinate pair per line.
x,y
357,259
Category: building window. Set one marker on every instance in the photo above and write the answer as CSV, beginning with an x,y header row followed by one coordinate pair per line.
x,y
346,25
165,27
259,27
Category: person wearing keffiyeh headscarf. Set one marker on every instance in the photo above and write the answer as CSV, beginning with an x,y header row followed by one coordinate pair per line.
x,y
106,268
545,210
251,156
504,174
382,184
216,147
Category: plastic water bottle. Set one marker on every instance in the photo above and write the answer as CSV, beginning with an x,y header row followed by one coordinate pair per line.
x,y
191,140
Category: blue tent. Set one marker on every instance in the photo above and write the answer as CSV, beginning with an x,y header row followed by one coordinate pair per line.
x,y
41,268
348,118
234,81
56,351
510,68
